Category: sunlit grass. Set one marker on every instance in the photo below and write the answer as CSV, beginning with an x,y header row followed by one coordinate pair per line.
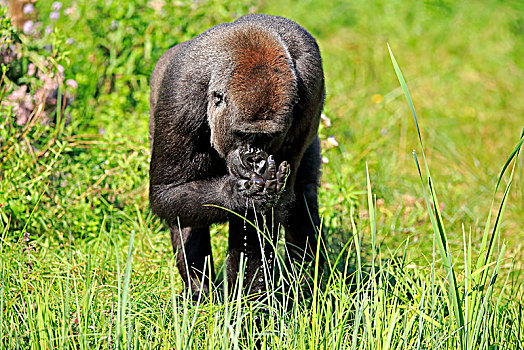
x,y
99,298
465,75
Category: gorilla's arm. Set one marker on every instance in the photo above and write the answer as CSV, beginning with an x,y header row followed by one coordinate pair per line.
x,y
186,174
187,201
255,179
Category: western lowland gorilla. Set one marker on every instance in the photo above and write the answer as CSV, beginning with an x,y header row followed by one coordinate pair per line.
x,y
234,126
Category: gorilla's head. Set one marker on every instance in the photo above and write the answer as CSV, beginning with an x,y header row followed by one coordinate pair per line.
x,y
252,96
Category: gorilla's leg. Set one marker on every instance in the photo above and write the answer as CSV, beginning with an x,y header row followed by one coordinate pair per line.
x,y
303,226
302,223
194,258
257,249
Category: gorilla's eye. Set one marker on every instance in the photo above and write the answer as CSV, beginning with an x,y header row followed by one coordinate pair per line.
x,y
218,97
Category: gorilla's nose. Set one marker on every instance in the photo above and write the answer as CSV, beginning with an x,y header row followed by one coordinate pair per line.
x,y
259,140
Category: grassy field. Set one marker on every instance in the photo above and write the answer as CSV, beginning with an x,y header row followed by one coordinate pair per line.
x,y
83,263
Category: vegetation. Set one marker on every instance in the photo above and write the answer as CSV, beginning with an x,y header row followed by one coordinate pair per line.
x,y
83,263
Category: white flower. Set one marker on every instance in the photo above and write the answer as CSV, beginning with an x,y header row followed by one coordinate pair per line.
x,y
325,120
28,9
332,141
54,16
28,27
57,5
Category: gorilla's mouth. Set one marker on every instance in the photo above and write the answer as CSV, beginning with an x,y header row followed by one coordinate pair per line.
x,y
254,155
267,142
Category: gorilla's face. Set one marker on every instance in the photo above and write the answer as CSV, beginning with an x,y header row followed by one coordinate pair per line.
x,y
254,104
231,127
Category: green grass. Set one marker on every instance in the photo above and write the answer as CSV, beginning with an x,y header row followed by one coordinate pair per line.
x,y
405,269
462,63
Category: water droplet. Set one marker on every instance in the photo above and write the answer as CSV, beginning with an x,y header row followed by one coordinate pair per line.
x,y
245,244
261,279
260,290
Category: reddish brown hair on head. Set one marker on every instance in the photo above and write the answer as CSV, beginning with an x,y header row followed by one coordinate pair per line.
x,y
263,82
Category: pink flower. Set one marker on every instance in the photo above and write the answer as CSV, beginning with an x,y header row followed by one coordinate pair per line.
x,y
325,120
71,83
31,69
18,94
69,11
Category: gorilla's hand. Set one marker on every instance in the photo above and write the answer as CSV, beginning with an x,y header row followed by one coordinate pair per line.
x,y
259,179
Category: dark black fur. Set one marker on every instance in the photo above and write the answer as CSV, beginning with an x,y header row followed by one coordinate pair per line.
x,y
220,103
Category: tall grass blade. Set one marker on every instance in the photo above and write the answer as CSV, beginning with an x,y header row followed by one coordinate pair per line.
x,y
124,296
476,299
435,216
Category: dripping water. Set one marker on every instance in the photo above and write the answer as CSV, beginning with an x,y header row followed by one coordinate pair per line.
x,y
245,213
245,227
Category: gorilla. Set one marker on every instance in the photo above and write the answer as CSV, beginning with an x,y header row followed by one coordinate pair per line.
x,y
233,132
